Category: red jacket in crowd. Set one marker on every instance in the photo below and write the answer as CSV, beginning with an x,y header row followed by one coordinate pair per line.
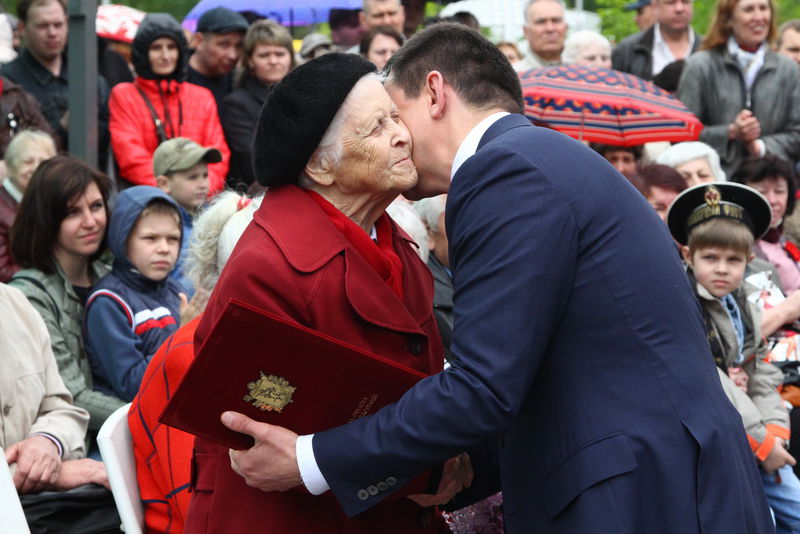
x,y
185,110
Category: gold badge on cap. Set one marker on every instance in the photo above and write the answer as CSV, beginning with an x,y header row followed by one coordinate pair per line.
x,y
712,196
270,393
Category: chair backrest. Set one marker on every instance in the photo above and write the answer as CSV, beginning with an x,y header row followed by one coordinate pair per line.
x,y
116,448
11,513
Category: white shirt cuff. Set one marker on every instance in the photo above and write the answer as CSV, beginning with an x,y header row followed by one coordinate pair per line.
x,y
312,477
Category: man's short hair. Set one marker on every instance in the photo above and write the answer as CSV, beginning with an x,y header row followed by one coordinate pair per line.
x,y
479,72
24,6
338,18
529,3
722,233
793,24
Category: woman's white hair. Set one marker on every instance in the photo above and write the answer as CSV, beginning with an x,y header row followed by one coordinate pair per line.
x,y
330,149
578,41
20,143
407,218
216,231
681,153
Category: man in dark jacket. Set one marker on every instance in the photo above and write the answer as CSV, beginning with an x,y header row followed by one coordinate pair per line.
x,y
671,38
41,68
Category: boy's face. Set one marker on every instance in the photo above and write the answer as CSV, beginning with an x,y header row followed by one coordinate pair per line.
x,y
153,245
189,187
719,270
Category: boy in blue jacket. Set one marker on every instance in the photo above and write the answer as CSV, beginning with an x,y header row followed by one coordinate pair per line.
x,y
135,307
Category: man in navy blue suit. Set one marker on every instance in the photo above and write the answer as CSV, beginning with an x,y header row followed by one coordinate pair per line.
x,y
581,354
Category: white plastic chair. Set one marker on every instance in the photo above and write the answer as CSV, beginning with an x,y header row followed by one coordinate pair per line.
x,y
116,448
13,518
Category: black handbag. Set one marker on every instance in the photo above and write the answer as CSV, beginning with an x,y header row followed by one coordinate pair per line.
x,y
87,509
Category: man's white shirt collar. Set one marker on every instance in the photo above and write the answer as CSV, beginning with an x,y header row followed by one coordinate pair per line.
x,y
470,143
662,55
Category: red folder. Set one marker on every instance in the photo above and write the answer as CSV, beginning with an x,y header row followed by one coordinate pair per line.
x,y
279,372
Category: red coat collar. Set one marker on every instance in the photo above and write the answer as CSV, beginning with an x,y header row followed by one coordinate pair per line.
x,y
308,241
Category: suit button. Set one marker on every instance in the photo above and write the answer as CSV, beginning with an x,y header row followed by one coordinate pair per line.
x,y
415,346
425,518
363,495
383,486
391,481
372,490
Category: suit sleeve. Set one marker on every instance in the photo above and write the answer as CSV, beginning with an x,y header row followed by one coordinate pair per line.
x,y
115,349
513,271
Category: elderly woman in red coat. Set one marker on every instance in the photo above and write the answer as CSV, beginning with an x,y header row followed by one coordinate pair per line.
x,y
321,251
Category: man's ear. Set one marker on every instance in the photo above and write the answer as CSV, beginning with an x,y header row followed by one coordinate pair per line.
x,y
687,254
163,182
362,18
197,39
435,93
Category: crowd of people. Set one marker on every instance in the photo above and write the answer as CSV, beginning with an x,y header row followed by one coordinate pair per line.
x,y
109,280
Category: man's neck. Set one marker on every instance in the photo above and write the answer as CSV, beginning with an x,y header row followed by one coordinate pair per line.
x,y
53,65
670,36
197,66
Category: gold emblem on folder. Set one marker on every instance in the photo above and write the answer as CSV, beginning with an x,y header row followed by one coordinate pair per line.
x,y
270,393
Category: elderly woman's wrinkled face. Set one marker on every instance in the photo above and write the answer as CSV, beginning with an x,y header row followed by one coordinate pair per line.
x,y
594,54
776,190
376,146
696,171
31,155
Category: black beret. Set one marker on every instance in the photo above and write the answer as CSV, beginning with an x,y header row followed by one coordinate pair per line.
x,y
728,200
297,113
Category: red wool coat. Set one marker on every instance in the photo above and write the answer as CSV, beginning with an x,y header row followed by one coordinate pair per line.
x,y
292,261
133,132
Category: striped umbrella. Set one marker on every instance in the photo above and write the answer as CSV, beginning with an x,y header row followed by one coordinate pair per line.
x,y
605,106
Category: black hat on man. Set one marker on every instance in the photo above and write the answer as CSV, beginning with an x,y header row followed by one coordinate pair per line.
x,y
221,20
727,200
297,113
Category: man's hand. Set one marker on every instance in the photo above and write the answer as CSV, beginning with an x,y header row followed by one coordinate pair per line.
x,y
778,457
271,464
456,475
37,463
76,473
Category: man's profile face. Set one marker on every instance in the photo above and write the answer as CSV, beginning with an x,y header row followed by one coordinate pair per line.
x,y
645,17
384,13
545,29
673,15
434,173
790,44
45,31
218,53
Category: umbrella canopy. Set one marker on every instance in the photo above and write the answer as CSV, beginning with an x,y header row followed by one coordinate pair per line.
x,y
118,23
286,12
605,106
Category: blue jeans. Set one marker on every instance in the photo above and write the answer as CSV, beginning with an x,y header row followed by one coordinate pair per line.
x,y
784,499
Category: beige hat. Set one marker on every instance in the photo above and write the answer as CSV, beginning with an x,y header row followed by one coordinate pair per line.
x,y
180,153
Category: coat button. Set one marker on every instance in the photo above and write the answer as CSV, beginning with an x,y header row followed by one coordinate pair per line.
x,y
363,495
383,486
415,346
425,518
391,481
372,490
